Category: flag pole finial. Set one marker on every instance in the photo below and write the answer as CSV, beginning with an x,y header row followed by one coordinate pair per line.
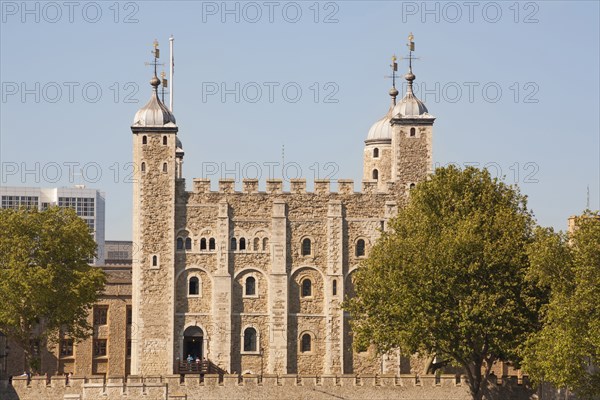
x,y
171,71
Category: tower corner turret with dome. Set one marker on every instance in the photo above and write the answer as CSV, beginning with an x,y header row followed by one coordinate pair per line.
x,y
399,146
377,153
157,155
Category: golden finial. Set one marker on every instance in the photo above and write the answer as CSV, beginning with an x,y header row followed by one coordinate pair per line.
x,y
156,51
393,91
411,42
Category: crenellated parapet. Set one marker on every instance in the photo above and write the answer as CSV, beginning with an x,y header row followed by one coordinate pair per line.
x,y
268,386
274,186
298,186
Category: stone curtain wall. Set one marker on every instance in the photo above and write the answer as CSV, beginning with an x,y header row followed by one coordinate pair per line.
x,y
269,387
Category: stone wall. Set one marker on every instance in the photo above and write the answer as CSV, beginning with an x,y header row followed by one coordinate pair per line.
x,y
83,360
260,234
153,283
277,387
412,153
382,163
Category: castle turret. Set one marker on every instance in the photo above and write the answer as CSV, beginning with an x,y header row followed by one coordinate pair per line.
x,y
155,158
377,156
412,130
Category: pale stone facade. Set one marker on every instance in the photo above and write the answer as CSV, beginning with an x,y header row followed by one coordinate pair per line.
x,y
253,281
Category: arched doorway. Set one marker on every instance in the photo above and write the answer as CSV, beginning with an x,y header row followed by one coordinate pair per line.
x,y
193,343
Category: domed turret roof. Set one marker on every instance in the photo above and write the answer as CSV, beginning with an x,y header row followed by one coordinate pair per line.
x,y
154,113
382,129
410,106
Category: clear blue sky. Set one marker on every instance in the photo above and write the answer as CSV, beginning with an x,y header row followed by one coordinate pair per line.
x,y
541,131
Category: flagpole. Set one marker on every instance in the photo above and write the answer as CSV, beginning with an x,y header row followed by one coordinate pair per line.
x,y
171,68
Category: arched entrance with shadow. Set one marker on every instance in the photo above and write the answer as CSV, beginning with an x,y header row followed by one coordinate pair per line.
x,y
193,343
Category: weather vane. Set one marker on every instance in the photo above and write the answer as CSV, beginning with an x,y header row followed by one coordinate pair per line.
x,y
156,54
411,48
394,67
156,51
165,84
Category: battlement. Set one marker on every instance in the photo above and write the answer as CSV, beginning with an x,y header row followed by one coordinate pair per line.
x,y
296,186
270,386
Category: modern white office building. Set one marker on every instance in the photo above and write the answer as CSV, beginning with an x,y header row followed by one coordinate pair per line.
x,y
88,203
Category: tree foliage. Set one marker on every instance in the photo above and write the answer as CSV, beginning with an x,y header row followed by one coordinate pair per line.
x,y
46,283
566,351
449,277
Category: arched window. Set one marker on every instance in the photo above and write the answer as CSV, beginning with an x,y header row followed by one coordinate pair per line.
x,y
412,186
306,247
188,243
211,244
250,339
144,140
250,286
242,244
375,152
334,288
305,343
179,244
143,167
233,244
256,244
265,244
164,167
360,248
375,174
155,261
306,288
194,286
413,132
164,140
203,244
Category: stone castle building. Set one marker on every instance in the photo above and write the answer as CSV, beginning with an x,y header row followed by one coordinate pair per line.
x,y
253,281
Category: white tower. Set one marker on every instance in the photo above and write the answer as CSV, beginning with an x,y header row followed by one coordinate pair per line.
x,y
155,157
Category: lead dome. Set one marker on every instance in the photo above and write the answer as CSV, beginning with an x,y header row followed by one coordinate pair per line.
x,y
154,113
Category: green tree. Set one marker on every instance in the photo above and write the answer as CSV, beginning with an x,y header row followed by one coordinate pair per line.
x,y
449,276
566,351
46,283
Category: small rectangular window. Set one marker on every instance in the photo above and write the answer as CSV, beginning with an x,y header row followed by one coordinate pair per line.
x,y
100,315
66,347
100,347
